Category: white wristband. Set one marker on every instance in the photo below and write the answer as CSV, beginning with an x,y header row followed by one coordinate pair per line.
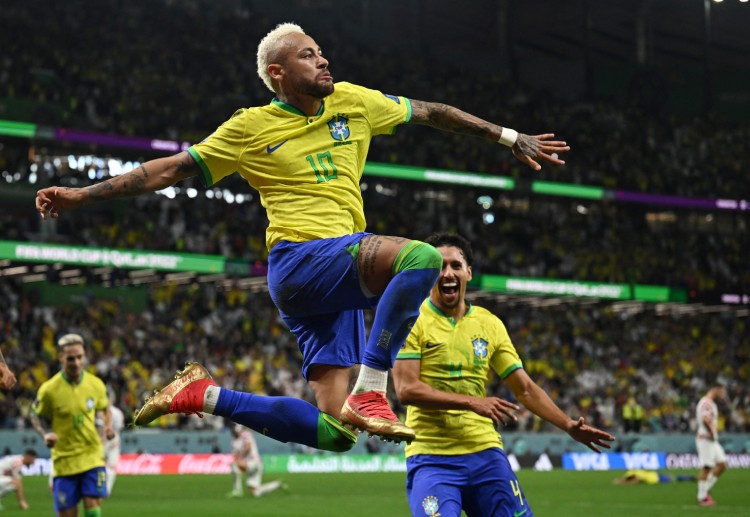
x,y
508,137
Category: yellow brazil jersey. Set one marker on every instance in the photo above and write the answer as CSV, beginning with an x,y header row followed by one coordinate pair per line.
x,y
649,477
72,410
456,357
306,169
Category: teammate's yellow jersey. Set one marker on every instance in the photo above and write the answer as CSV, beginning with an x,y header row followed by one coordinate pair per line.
x,y
72,409
306,169
649,477
456,357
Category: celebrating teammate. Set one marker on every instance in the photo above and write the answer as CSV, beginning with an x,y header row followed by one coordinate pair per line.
x,y
456,461
71,399
710,452
10,475
305,153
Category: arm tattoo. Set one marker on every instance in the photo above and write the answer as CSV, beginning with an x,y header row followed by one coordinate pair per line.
x,y
448,118
527,145
129,184
160,174
36,423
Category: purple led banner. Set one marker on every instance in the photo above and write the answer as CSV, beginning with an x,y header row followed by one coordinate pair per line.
x,y
134,142
688,202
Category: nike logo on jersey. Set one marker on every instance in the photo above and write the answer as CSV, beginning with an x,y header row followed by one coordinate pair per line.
x,y
270,149
433,345
518,514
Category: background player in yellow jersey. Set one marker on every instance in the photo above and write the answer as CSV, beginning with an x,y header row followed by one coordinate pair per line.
x,y
70,399
649,477
305,153
456,461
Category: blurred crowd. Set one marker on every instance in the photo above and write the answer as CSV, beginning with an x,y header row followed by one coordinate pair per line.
x,y
532,236
590,358
167,69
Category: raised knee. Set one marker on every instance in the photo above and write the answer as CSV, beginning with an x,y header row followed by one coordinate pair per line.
x,y
418,255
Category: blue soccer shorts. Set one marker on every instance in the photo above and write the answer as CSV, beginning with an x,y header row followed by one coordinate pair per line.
x,y
316,287
482,484
68,491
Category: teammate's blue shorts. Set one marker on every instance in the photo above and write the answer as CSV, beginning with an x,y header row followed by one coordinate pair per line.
x,y
482,483
316,287
67,491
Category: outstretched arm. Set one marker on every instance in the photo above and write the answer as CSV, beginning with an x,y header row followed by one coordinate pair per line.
x,y
538,402
148,177
528,149
411,390
7,378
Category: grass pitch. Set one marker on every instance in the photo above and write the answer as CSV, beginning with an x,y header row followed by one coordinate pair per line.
x,y
551,494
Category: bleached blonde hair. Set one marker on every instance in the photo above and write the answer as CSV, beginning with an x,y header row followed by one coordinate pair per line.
x,y
267,48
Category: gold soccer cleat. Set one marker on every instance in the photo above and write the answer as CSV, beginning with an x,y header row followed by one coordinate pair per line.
x,y
370,412
183,395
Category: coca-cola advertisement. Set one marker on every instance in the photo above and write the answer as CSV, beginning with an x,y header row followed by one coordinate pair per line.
x,y
174,464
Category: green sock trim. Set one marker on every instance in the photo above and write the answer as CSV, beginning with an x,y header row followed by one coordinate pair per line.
x,y
332,436
93,512
417,255
353,250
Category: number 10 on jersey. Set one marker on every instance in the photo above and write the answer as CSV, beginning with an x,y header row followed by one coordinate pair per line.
x,y
323,166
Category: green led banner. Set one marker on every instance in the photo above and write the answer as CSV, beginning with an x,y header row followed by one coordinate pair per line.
x,y
567,190
126,259
405,172
20,129
646,293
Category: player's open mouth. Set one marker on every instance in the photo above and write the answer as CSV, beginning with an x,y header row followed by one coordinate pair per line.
x,y
449,288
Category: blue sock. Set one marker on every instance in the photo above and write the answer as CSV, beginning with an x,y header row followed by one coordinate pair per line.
x,y
397,311
285,419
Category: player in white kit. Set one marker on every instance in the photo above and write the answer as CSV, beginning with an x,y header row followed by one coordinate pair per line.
x,y
10,475
247,460
112,447
710,452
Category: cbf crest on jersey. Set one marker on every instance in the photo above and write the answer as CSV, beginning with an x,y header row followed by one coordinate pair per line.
x,y
430,506
339,128
480,347
90,403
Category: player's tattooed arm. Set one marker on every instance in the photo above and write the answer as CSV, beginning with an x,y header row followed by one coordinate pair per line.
x,y
38,423
529,149
148,177
447,118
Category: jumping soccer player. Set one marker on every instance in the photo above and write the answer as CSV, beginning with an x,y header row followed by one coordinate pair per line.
x,y
305,153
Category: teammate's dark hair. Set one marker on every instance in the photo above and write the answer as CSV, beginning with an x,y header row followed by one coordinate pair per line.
x,y
452,239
